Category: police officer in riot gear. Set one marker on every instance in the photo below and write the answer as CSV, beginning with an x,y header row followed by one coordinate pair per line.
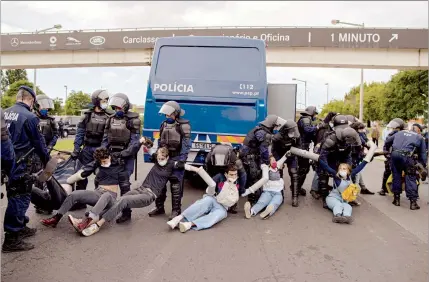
x,y
336,149
288,136
25,137
47,125
90,131
394,126
405,144
7,153
121,137
307,130
175,134
255,151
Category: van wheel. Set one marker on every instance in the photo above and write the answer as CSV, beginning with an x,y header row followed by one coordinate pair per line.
x,y
65,134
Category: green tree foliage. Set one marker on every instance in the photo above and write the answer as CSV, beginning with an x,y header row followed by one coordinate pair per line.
x,y
404,96
58,109
8,97
76,102
9,77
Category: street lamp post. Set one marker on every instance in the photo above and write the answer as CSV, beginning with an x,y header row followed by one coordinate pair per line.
x,y
334,22
327,93
305,90
57,26
65,86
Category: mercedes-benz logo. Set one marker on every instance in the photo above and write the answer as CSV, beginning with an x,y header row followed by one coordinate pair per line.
x,y
14,42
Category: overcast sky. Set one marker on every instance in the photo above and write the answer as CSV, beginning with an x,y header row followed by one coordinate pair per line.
x,y
19,16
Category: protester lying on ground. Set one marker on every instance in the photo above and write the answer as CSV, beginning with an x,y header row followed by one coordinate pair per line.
x,y
344,191
146,194
222,193
107,181
271,197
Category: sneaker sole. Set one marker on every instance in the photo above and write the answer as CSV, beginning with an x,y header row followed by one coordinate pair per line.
x,y
47,225
339,219
247,208
15,251
182,228
71,222
267,212
171,225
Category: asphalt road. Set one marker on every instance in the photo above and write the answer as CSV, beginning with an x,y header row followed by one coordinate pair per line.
x,y
385,243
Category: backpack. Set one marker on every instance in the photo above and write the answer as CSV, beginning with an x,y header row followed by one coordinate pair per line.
x,y
222,155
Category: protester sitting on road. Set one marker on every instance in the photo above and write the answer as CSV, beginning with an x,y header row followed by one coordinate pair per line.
x,y
107,181
344,191
222,193
146,194
271,197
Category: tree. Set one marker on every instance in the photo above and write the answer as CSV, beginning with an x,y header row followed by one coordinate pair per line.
x,y
76,102
58,109
8,97
9,77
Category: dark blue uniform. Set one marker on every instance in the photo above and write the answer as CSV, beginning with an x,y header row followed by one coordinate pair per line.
x,y
404,144
23,128
387,169
7,151
307,133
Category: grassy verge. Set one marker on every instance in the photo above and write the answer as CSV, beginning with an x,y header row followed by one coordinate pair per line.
x,y
64,145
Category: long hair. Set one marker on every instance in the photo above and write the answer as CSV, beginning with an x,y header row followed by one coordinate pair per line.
x,y
349,169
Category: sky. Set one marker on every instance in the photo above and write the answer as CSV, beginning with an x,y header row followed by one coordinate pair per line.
x,y
25,16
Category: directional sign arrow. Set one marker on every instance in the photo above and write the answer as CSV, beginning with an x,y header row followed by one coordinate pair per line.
x,y
394,36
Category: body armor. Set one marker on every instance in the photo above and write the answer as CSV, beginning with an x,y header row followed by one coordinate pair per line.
x,y
171,136
222,155
118,134
95,129
251,141
45,127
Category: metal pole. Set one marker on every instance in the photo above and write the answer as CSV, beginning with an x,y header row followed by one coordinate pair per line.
x,y
361,92
66,94
34,82
327,93
305,93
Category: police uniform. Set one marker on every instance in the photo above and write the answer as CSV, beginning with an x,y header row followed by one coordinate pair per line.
x,y
288,136
7,152
404,144
307,131
49,129
24,133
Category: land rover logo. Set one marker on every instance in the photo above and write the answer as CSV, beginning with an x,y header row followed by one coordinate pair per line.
x,y
97,40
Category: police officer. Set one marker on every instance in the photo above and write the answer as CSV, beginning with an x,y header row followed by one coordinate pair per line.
x,y
121,137
175,134
288,136
25,136
61,128
255,150
47,125
405,144
7,153
307,130
358,153
90,131
336,149
394,126
323,128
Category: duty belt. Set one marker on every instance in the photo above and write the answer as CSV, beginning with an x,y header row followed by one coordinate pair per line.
x,y
403,153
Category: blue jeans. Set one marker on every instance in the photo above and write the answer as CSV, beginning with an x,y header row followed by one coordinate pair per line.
x,y
338,207
268,198
205,213
14,217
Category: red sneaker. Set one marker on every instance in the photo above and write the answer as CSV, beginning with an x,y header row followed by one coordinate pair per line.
x,y
84,224
50,222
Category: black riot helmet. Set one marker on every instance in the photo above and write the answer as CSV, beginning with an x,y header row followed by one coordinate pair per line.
x,y
289,129
351,119
43,104
311,111
340,122
272,121
349,136
396,123
120,100
172,107
98,96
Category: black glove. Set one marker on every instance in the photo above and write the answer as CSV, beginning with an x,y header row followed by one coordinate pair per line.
x,y
75,155
152,158
180,165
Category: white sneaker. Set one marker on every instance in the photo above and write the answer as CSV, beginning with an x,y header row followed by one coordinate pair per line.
x,y
74,222
267,212
185,226
92,229
247,209
175,221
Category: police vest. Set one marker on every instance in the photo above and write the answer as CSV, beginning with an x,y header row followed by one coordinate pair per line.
x,y
45,127
171,135
251,141
95,126
118,134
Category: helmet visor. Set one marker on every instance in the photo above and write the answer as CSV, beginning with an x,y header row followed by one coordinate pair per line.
x,y
117,102
46,104
103,95
166,110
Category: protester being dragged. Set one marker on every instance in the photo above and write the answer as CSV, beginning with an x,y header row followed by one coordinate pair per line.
x,y
344,191
146,194
107,181
222,193
271,197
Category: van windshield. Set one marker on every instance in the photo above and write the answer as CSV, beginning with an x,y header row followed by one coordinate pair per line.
x,y
209,63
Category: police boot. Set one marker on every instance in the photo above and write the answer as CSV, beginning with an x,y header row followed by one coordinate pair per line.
x,y
125,216
27,232
176,200
13,243
397,200
294,190
157,211
382,192
414,205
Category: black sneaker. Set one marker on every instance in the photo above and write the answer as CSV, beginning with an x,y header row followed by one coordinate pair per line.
x,y
27,232
42,211
366,192
156,211
15,244
382,193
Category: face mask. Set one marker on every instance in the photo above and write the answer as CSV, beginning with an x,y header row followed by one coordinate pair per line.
x,y
232,179
44,112
119,114
103,106
343,173
106,164
162,163
274,165
170,120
